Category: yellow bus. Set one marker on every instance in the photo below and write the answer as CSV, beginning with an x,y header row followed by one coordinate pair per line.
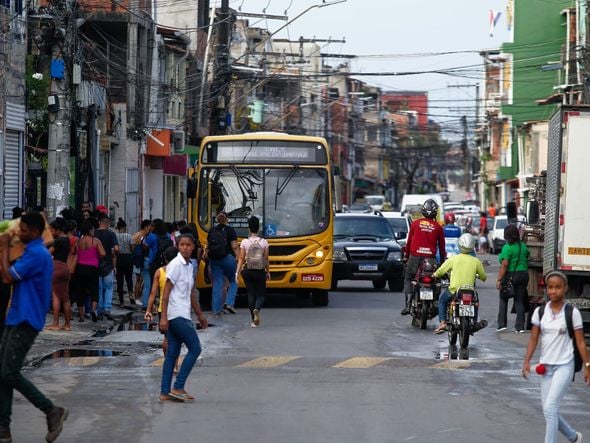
x,y
287,182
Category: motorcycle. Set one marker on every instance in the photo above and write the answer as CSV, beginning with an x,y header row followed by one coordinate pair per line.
x,y
423,305
462,321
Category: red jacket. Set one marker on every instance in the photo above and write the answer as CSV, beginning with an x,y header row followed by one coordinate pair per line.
x,y
423,238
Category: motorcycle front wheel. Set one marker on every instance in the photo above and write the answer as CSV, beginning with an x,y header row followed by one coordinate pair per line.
x,y
464,332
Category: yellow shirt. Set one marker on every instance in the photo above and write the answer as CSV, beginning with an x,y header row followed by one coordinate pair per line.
x,y
464,268
161,284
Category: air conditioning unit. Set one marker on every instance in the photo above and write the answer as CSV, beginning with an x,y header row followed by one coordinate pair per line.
x,y
178,141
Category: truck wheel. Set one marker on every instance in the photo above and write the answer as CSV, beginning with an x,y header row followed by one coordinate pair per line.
x,y
320,298
334,284
379,284
396,285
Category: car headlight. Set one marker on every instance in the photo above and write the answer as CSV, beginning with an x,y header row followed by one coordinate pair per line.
x,y
339,255
394,256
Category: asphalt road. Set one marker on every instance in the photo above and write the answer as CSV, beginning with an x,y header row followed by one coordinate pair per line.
x,y
354,371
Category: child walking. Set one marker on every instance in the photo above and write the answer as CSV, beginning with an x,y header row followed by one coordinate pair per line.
x,y
557,355
178,298
158,290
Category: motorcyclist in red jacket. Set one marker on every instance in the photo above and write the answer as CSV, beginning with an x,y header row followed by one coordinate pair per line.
x,y
424,237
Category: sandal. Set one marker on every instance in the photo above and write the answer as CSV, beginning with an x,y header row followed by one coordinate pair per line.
x,y
169,399
440,329
181,397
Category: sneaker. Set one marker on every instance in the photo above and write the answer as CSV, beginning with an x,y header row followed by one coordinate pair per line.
x,y
6,437
94,316
520,331
55,422
138,302
256,313
253,325
503,328
405,311
229,308
579,438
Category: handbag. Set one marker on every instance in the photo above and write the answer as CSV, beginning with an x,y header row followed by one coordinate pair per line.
x,y
507,289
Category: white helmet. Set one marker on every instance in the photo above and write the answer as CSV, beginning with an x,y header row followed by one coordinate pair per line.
x,y
466,243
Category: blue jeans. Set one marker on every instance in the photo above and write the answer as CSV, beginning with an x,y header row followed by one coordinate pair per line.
x,y
180,330
225,266
105,293
147,283
443,302
554,386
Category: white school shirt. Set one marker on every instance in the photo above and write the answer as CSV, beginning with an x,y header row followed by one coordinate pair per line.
x,y
556,345
180,272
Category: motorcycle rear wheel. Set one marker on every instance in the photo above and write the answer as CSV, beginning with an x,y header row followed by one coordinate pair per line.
x,y
424,313
464,333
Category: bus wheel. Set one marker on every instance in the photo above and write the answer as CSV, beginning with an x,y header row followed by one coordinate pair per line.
x,y
320,298
302,294
205,297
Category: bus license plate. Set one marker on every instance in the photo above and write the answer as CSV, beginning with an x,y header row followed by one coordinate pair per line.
x,y
426,294
368,267
466,310
312,277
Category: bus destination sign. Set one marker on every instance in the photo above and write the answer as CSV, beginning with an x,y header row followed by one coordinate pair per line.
x,y
266,152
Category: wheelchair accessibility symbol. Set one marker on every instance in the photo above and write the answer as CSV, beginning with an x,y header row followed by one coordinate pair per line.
x,y
270,230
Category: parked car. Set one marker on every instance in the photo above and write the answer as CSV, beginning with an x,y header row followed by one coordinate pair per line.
x,y
400,225
496,235
365,249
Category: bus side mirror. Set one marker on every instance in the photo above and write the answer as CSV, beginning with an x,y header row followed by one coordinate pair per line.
x,y
191,188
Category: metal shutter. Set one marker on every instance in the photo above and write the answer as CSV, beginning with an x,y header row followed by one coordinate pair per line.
x,y
12,173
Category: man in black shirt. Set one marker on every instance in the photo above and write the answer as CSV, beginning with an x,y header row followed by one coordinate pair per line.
x,y
223,265
108,265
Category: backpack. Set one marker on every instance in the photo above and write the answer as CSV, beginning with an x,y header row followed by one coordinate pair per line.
x,y
217,243
138,255
255,256
569,309
164,242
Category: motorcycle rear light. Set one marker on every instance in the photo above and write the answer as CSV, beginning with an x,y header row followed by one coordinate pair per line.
x,y
467,299
426,279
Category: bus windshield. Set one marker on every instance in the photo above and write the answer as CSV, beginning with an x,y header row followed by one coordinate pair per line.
x,y
289,201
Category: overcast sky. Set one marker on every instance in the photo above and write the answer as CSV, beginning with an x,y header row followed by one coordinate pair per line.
x,y
387,34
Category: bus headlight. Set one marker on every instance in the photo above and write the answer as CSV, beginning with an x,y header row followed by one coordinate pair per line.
x,y
394,256
339,255
315,258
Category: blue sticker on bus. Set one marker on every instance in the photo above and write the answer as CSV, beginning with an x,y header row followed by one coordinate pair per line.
x,y
270,230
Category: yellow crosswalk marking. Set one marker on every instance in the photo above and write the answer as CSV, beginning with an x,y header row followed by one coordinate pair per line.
x,y
452,365
361,362
268,361
160,362
83,361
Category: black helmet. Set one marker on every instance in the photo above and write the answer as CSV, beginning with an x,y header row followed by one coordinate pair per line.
x,y
430,209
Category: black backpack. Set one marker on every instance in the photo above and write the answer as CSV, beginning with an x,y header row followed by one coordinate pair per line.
x,y
217,243
569,309
138,255
164,242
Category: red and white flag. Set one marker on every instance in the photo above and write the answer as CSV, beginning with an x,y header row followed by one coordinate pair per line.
x,y
494,17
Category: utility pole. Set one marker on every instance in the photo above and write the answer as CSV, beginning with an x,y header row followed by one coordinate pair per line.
x,y
219,116
60,112
466,156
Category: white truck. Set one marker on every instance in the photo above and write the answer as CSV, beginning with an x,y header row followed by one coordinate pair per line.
x,y
558,216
